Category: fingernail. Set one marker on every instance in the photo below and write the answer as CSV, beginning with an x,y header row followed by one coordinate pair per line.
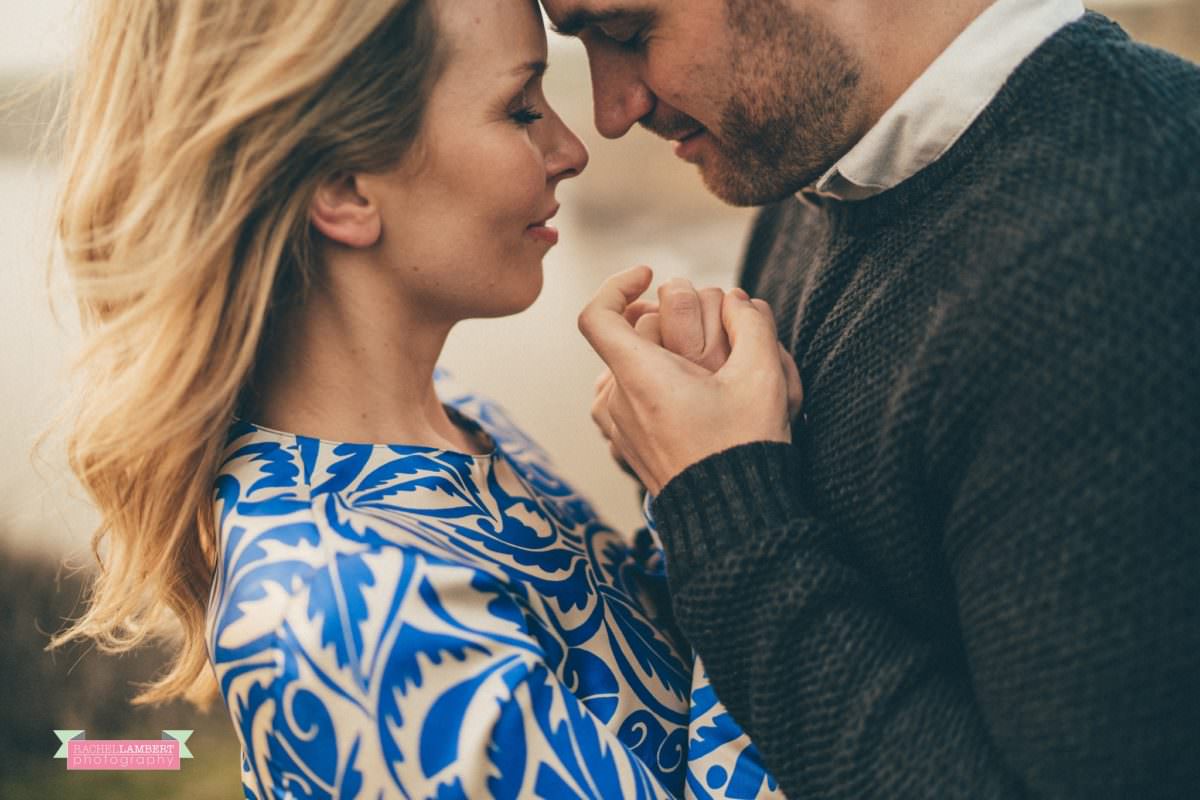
x,y
740,294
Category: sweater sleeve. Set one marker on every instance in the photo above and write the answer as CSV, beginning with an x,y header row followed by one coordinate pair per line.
x,y
839,697
722,760
1069,500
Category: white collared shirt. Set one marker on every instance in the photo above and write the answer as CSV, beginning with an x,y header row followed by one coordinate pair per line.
x,y
946,98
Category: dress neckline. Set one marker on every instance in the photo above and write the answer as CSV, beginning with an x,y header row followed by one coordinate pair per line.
x,y
461,420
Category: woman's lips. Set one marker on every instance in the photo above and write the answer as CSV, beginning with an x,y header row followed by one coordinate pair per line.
x,y
543,233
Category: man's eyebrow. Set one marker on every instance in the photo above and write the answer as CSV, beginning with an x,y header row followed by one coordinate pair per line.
x,y
577,21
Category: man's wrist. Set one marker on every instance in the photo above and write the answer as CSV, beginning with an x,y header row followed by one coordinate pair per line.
x,y
663,477
719,501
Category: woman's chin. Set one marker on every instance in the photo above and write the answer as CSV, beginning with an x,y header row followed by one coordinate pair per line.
x,y
525,302
514,297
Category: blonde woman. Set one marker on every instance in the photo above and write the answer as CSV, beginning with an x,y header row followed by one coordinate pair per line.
x,y
274,213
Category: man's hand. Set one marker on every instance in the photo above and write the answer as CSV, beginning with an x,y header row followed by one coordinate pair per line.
x,y
685,321
663,412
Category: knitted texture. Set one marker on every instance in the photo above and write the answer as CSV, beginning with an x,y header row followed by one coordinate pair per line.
x,y
976,570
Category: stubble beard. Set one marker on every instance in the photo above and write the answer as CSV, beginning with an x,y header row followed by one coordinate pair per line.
x,y
786,120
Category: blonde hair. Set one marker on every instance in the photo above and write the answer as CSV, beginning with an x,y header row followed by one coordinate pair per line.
x,y
197,132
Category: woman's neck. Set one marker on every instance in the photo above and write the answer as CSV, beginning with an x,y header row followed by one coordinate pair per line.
x,y
356,364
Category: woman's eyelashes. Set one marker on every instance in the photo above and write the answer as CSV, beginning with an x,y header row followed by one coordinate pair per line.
x,y
525,115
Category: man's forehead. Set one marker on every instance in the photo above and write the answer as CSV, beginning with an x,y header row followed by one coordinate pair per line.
x,y
569,16
558,9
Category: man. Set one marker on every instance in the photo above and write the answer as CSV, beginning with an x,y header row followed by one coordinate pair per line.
x,y
972,566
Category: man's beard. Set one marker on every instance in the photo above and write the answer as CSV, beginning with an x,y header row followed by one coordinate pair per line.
x,y
785,121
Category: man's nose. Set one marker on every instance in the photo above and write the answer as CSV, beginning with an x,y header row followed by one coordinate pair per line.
x,y
618,93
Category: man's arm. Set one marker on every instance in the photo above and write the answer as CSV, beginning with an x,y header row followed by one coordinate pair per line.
x,y
1070,538
1077,607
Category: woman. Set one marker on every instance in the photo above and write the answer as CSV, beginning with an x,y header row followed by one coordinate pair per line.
x,y
274,214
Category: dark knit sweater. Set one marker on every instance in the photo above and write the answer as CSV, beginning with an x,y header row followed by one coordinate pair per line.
x,y
976,571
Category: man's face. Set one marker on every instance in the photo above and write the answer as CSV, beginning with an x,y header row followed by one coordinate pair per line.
x,y
756,93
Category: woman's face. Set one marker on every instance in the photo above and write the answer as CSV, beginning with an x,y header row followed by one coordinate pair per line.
x,y
460,216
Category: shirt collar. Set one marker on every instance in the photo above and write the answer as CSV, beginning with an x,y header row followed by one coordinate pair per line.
x,y
939,106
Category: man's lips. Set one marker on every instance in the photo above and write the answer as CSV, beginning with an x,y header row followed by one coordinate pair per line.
x,y
687,146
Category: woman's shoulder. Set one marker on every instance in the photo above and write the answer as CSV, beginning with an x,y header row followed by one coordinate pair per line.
x,y
261,475
291,510
302,519
317,556
319,634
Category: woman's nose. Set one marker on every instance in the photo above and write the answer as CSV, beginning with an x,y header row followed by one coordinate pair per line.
x,y
568,156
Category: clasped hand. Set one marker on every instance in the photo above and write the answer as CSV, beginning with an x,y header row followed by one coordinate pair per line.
x,y
695,374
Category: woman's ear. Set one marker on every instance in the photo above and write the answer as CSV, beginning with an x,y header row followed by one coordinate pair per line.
x,y
342,213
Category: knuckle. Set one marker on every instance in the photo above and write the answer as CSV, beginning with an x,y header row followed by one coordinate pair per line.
x,y
583,321
678,293
682,304
713,358
648,327
764,309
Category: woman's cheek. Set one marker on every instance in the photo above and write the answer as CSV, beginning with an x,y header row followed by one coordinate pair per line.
x,y
524,195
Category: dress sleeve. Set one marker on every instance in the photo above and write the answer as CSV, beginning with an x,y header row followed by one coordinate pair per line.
x,y
392,673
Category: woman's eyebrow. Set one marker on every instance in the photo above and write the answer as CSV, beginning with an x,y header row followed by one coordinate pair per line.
x,y
535,69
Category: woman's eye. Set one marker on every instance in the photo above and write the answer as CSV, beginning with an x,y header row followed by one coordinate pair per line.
x,y
525,115
526,112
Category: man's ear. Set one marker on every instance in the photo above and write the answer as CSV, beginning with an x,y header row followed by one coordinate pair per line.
x,y
342,213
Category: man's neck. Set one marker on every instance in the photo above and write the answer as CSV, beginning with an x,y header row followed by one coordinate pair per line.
x,y
898,40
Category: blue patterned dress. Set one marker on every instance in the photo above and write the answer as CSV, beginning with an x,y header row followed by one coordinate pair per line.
x,y
399,621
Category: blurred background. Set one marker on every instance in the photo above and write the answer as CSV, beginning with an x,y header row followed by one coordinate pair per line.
x,y
636,204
